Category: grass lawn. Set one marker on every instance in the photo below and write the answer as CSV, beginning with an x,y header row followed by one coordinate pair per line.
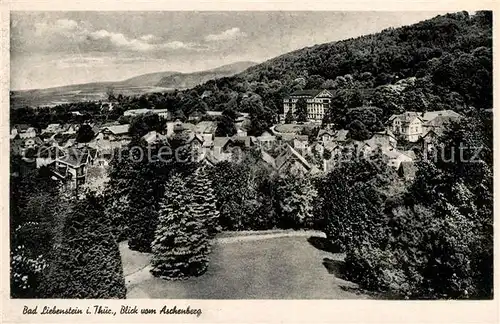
x,y
283,267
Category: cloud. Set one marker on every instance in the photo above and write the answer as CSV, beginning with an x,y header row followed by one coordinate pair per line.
x,y
120,41
229,34
66,34
148,38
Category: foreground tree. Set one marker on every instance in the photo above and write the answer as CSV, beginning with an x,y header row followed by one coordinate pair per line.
x,y
204,201
86,261
295,197
181,245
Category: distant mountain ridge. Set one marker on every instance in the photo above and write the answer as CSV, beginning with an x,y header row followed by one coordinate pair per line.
x,y
189,80
137,85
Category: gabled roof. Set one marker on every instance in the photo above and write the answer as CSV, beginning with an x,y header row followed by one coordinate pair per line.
x,y
407,169
206,127
220,141
245,140
268,158
430,115
209,159
22,127
386,132
50,152
74,157
308,93
323,131
117,129
341,135
154,137
195,137
440,121
289,153
395,154
407,116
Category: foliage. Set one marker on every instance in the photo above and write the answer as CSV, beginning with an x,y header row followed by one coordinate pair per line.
x,y
295,196
34,206
433,241
142,124
226,126
204,201
289,118
86,261
301,110
84,134
353,196
181,247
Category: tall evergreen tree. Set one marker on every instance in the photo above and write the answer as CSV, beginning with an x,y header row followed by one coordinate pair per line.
x,y
86,261
204,203
181,245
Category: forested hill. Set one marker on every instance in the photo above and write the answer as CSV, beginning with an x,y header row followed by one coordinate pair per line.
x,y
441,63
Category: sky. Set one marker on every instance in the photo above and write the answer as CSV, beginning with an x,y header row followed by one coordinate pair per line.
x,y
59,48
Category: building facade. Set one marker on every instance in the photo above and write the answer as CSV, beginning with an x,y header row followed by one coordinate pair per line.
x,y
318,102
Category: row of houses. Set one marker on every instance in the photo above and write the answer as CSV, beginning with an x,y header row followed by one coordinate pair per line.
x,y
56,147
412,126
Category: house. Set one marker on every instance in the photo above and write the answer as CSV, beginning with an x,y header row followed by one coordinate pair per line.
x,y
395,157
209,159
384,139
266,141
438,123
325,135
195,139
53,129
206,127
154,137
46,155
240,132
113,132
217,150
165,113
71,168
23,131
408,125
412,125
71,129
62,139
430,115
318,102
239,141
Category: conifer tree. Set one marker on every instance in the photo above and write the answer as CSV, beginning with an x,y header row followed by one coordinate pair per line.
x,y
86,260
204,201
181,246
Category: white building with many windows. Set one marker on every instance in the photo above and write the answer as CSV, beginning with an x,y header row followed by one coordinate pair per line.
x,y
318,102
